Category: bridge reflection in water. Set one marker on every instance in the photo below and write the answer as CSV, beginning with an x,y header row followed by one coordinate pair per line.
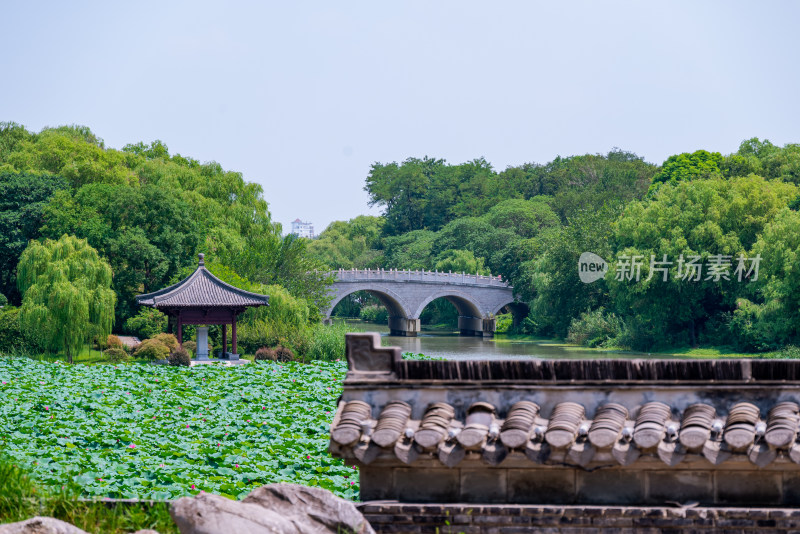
x,y
405,294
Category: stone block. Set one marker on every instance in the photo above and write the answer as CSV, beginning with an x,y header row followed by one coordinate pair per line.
x,y
484,485
377,483
791,488
744,488
541,486
610,486
680,486
426,485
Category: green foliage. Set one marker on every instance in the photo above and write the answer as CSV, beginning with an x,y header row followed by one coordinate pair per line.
x,y
328,342
409,251
596,329
351,244
3,300
226,430
116,354
701,217
179,357
460,261
67,298
147,323
375,313
11,336
146,211
21,499
422,357
169,340
504,323
148,233
191,346
23,197
152,350
684,167
550,282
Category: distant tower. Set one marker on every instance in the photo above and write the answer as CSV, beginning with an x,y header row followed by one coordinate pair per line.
x,y
303,229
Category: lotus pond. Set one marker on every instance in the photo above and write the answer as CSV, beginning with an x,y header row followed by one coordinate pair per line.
x,y
157,432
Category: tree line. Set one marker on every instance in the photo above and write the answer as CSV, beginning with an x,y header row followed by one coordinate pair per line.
x,y
531,223
147,213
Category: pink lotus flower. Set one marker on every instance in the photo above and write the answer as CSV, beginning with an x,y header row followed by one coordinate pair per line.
x,y
187,425
237,466
192,486
308,457
132,446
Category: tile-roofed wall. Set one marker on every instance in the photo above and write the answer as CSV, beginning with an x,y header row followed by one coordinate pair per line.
x,y
406,420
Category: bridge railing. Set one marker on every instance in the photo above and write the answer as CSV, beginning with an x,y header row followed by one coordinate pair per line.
x,y
357,275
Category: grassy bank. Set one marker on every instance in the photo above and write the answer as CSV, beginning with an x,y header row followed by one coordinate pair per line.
x,y
21,498
685,352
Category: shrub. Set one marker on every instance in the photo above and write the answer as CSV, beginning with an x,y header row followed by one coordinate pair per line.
x,y
283,354
115,354
113,342
11,337
152,349
169,340
191,346
179,357
3,300
148,323
504,323
595,328
375,313
265,354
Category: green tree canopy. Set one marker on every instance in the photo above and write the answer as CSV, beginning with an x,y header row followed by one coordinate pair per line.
x,y
702,218
67,296
23,197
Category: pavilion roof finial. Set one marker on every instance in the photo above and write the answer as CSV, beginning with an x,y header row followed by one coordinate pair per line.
x,y
202,258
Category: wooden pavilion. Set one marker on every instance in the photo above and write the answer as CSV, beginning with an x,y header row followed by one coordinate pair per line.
x,y
203,299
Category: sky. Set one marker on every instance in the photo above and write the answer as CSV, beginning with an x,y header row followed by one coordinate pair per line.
x,y
303,97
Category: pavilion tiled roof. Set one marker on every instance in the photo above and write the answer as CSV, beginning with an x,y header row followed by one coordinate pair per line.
x,y
201,290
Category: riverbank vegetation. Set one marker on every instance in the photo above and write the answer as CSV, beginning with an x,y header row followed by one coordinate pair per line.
x,y
146,214
735,216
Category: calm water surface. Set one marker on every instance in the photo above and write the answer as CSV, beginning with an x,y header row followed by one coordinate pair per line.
x,y
454,347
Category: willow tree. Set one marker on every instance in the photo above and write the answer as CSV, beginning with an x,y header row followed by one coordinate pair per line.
x,y
67,296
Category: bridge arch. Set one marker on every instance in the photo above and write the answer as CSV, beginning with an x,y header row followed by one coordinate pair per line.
x,y
464,303
391,300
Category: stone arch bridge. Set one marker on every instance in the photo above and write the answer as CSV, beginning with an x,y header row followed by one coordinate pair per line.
x,y
405,294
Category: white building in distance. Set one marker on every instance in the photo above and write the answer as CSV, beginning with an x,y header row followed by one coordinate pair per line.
x,y
302,229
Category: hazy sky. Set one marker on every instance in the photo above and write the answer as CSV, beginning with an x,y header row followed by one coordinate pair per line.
x,y
303,96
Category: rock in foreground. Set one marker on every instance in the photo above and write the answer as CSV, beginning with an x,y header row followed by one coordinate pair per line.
x,y
40,525
272,509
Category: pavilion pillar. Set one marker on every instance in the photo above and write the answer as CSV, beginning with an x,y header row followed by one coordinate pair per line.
x,y
180,331
233,333
224,340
